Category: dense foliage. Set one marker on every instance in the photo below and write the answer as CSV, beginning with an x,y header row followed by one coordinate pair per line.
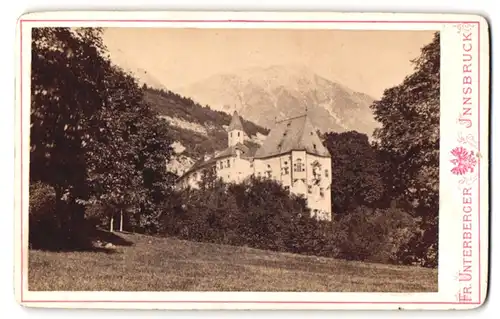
x,y
260,213
396,174
408,142
355,171
94,142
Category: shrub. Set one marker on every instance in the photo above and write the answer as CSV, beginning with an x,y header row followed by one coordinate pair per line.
x,y
44,224
376,235
359,236
50,224
260,213
421,248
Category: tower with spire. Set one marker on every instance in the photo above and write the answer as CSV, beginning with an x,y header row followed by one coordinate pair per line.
x,y
235,131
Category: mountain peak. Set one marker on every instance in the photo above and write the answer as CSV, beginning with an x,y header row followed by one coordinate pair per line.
x,y
292,67
261,94
280,72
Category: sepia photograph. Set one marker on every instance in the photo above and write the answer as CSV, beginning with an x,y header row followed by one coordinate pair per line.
x,y
195,159
242,159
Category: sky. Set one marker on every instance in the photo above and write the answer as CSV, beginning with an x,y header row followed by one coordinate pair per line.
x,y
364,61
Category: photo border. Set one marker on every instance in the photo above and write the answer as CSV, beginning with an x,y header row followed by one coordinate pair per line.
x,y
477,23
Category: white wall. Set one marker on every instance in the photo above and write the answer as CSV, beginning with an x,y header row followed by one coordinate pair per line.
x,y
318,195
234,137
233,169
299,173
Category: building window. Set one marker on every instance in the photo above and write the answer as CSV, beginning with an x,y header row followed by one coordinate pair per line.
x,y
309,189
326,173
322,192
238,134
298,166
228,163
231,134
285,170
221,165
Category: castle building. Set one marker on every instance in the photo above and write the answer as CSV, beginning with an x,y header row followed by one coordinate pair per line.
x,y
292,154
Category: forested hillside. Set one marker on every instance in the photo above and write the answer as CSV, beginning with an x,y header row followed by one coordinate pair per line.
x,y
199,129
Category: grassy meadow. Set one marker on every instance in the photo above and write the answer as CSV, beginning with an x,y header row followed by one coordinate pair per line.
x,y
144,263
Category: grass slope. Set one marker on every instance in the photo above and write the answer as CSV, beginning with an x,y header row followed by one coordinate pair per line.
x,y
162,264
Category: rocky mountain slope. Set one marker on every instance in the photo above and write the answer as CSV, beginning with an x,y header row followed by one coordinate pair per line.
x,y
263,95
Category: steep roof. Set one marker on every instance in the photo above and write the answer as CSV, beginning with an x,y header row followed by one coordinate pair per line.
x,y
231,151
235,123
247,153
294,134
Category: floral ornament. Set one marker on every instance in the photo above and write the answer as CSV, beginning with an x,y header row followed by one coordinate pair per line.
x,y
464,161
469,139
464,27
470,142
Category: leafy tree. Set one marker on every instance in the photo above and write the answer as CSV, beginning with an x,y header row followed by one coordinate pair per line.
x,y
152,151
209,179
355,171
94,140
112,178
269,209
409,140
66,81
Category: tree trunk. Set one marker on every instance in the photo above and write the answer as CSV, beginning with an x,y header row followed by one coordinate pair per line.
x,y
61,223
111,224
121,220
